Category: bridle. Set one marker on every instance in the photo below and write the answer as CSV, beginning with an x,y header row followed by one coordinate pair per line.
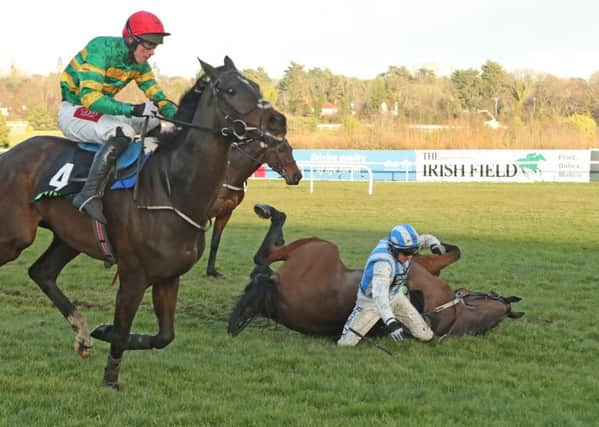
x,y
279,168
241,147
462,296
237,128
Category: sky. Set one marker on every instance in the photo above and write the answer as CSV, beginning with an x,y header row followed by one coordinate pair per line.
x,y
355,38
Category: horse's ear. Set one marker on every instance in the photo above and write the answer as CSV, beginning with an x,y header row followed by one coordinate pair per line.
x,y
229,63
208,69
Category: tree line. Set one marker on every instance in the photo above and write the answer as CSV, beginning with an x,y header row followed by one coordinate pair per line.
x,y
417,96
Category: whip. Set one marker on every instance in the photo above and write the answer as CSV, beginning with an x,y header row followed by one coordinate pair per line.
x,y
373,342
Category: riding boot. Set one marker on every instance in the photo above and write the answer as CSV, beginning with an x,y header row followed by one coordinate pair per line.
x,y
89,199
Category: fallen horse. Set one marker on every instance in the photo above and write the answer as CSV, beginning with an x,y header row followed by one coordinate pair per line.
x,y
313,291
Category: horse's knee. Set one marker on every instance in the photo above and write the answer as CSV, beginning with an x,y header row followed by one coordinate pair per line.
x,y
163,339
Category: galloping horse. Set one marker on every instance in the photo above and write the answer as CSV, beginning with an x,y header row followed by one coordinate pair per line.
x,y
153,247
314,292
244,159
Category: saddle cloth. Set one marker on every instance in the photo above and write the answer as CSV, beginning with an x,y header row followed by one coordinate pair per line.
x,y
65,176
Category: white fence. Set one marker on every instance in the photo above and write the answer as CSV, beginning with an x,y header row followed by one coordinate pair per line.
x,y
335,168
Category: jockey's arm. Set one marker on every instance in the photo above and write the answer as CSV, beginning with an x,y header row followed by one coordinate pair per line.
x,y
147,83
93,76
381,281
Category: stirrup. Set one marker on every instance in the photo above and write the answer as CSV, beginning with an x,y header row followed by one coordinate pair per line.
x,y
92,206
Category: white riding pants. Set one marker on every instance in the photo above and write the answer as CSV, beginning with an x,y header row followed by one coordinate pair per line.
x,y
79,124
365,315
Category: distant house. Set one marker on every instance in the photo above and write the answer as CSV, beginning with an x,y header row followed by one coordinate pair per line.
x,y
490,121
328,109
385,108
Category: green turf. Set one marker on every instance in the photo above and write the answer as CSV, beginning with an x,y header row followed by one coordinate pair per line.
x,y
538,241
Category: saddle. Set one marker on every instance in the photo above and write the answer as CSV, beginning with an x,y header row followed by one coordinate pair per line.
x,y
65,176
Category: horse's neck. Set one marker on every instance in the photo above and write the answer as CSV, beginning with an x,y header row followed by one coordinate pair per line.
x,y
242,165
437,295
196,167
434,289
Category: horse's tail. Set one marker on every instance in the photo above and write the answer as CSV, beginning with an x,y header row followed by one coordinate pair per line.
x,y
259,298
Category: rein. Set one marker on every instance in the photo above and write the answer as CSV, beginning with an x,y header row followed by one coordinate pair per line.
x,y
238,129
461,296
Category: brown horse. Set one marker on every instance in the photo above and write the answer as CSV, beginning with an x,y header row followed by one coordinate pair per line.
x,y
153,247
314,292
244,159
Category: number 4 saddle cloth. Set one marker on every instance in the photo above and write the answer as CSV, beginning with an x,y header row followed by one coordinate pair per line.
x,y
65,176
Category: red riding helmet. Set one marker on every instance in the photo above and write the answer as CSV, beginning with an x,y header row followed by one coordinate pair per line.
x,y
144,26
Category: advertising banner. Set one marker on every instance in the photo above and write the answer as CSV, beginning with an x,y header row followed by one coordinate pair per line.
x,y
385,165
503,165
443,165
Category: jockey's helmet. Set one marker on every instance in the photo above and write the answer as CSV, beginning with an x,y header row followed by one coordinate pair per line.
x,y
404,238
143,26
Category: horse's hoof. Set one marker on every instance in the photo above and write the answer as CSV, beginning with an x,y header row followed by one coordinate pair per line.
x,y
84,349
101,332
114,386
214,274
262,210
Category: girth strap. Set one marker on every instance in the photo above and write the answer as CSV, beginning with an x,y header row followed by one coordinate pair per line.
x,y
103,243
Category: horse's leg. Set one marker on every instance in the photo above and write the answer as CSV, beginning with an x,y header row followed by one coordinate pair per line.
x,y
435,263
18,225
219,225
129,296
164,297
44,272
274,235
164,300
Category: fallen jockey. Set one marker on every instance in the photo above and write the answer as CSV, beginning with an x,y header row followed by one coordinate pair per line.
x,y
382,293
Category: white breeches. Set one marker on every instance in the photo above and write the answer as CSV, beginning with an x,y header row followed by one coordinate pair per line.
x,y
100,130
365,315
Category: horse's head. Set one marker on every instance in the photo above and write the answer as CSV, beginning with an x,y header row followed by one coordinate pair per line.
x,y
243,113
280,159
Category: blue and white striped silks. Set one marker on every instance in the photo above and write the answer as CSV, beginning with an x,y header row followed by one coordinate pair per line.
x,y
399,271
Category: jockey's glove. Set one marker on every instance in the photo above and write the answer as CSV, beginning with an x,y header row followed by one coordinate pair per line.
x,y
147,109
395,331
437,249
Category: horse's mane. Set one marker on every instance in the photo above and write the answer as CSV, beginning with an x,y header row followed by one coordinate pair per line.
x,y
186,108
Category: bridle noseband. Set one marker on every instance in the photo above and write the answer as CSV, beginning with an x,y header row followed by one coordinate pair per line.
x,y
280,168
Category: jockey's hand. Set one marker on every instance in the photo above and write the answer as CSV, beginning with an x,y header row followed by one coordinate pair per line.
x,y
147,109
437,249
395,331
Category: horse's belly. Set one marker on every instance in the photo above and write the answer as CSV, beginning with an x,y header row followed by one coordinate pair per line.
x,y
314,304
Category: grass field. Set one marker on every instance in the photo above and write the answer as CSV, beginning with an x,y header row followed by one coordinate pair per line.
x,y
538,241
